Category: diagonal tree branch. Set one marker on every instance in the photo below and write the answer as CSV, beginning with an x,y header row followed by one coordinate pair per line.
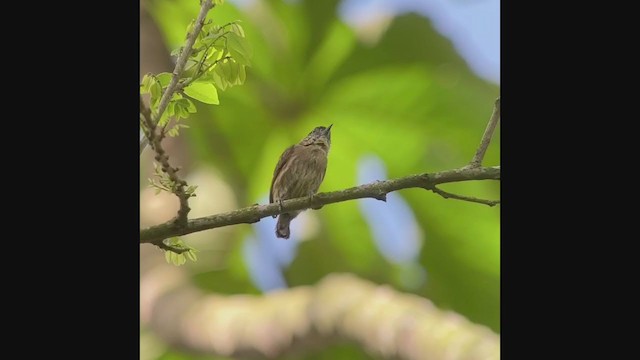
x,y
376,190
476,162
486,137
155,140
180,64
448,195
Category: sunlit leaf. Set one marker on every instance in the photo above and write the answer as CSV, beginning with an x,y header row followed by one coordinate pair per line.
x,y
191,255
145,84
171,108
164,79
204,92
182,112
163,119
156,92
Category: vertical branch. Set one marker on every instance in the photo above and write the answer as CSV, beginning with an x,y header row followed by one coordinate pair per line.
x,y
155,140
150,122
486,137
180,64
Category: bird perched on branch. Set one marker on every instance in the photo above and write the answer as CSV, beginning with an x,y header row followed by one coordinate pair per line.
x,y
299,173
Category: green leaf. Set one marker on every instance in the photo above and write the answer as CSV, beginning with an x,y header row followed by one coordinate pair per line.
x,y
191,255
191,107
171,109
207,76
219,77
177,259
233,72
190,27
181,112
164,79
210,28
183,103
204,92
242,76
237,29
173,132
145,84
156,92
239,48
200,45
163,119
191,189
225,71
176,52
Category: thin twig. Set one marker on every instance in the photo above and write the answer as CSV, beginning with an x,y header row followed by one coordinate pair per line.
x,y
486,137
166,247
184,84
155,140
375,190
448,195
180,63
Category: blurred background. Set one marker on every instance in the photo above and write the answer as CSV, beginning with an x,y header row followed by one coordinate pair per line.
x,y
408,85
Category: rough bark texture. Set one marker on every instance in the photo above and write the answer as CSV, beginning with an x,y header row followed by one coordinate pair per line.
x,y
376,190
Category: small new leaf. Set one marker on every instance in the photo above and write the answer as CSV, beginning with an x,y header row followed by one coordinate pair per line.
x,y
164,79
179,259
190,190
145,84
191,255
191,107
155,90
204,92
190,28
171,108
181,112
236,28
173,132
164,119
177,51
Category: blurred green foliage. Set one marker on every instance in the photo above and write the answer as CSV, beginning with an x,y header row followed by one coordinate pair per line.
x,y
409,99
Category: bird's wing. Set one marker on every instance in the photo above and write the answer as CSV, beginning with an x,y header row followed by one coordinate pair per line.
x,y
284,158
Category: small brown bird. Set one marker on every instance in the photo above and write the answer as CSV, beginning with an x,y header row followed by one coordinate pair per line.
x,y
300,172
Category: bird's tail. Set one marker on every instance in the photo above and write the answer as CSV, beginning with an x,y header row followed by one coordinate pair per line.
x,y
282,227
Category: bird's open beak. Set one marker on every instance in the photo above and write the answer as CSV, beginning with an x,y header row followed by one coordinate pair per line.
x,y
328,129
